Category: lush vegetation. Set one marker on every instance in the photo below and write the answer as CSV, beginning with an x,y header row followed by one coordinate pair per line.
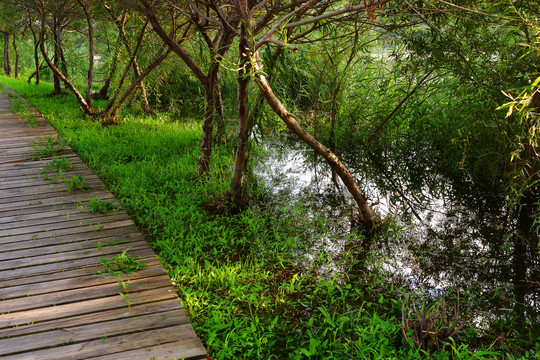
x,y
235,272
453,86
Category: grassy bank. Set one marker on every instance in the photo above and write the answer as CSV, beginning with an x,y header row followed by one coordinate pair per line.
x,y
237,275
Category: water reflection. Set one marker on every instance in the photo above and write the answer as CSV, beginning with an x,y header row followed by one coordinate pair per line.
x,y
451,235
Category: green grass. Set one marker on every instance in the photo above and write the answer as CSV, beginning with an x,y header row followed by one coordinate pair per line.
x,y
240,280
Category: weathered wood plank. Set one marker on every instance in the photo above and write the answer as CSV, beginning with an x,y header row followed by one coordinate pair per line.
x,y
107,346
29,290
94,306
92,318
85,333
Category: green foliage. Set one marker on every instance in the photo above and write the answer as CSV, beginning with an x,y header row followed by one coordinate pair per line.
x,y
61,164
46,147
76,182
121,264
241,276
96,205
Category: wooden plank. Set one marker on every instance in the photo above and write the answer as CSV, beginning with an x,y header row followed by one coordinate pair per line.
x,y
38,258
66,231
53,264
92,318
105,236
81,294
72,213
112,345
53,207
49,217
93,306
29,290
33,226
85,333
168,351
38,277
40,252
59,200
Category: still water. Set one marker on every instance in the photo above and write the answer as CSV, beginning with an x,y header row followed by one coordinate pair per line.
x,y
449,235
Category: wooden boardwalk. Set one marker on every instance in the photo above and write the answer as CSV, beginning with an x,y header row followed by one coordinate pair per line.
x,y
54,303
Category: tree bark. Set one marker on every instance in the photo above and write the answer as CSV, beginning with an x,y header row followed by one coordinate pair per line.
x,y
84,105
16,57
220,116
7,60
243,114
56,39
203,163
36,58
136,70
36,74
365,214
90,75
112,70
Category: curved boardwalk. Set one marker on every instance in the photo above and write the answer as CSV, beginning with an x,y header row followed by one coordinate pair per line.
x,y
56,299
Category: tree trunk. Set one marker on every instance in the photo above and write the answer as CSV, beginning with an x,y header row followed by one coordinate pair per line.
x,y
84,105
220,121
203,165
36,74
7,60
90,79
136,70
16,57
243,115
36,63
56,38
365,214
260,98
144,96
36,57
112,70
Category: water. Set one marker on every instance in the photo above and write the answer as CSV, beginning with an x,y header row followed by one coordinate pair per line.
x,y
450,235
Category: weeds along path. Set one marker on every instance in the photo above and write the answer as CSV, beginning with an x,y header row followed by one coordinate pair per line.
x,y
77,279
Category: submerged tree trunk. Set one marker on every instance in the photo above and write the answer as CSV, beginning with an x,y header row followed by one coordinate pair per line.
x,y
7,60
243,115
365,214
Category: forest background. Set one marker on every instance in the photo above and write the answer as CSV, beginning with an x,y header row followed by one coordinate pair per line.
x,y
177,104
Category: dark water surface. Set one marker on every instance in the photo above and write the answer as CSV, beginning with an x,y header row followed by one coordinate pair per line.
x,y
449,234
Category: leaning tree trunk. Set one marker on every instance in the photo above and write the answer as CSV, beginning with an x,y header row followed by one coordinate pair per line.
x,y
7,60
365,214
136,71
84,105
112,70
243,115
